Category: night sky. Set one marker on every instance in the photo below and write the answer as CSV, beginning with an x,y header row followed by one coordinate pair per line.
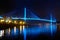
x,y
42,8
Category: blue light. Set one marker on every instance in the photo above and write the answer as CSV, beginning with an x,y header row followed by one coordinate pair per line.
x,y
24,33
14,34
14,18
37,30
1,17
25,14
51,25
35,19
40,19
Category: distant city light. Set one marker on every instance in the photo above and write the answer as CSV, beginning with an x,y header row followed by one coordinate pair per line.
x,y
15,22
6,21
21,22
9,21
2,20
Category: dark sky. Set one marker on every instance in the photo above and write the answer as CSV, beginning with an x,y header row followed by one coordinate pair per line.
x,y
41,7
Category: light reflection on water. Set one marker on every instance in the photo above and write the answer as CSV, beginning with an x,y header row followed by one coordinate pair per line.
x,y
33,30
1,33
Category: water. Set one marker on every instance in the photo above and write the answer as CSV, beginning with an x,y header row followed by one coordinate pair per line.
x,y
29,31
